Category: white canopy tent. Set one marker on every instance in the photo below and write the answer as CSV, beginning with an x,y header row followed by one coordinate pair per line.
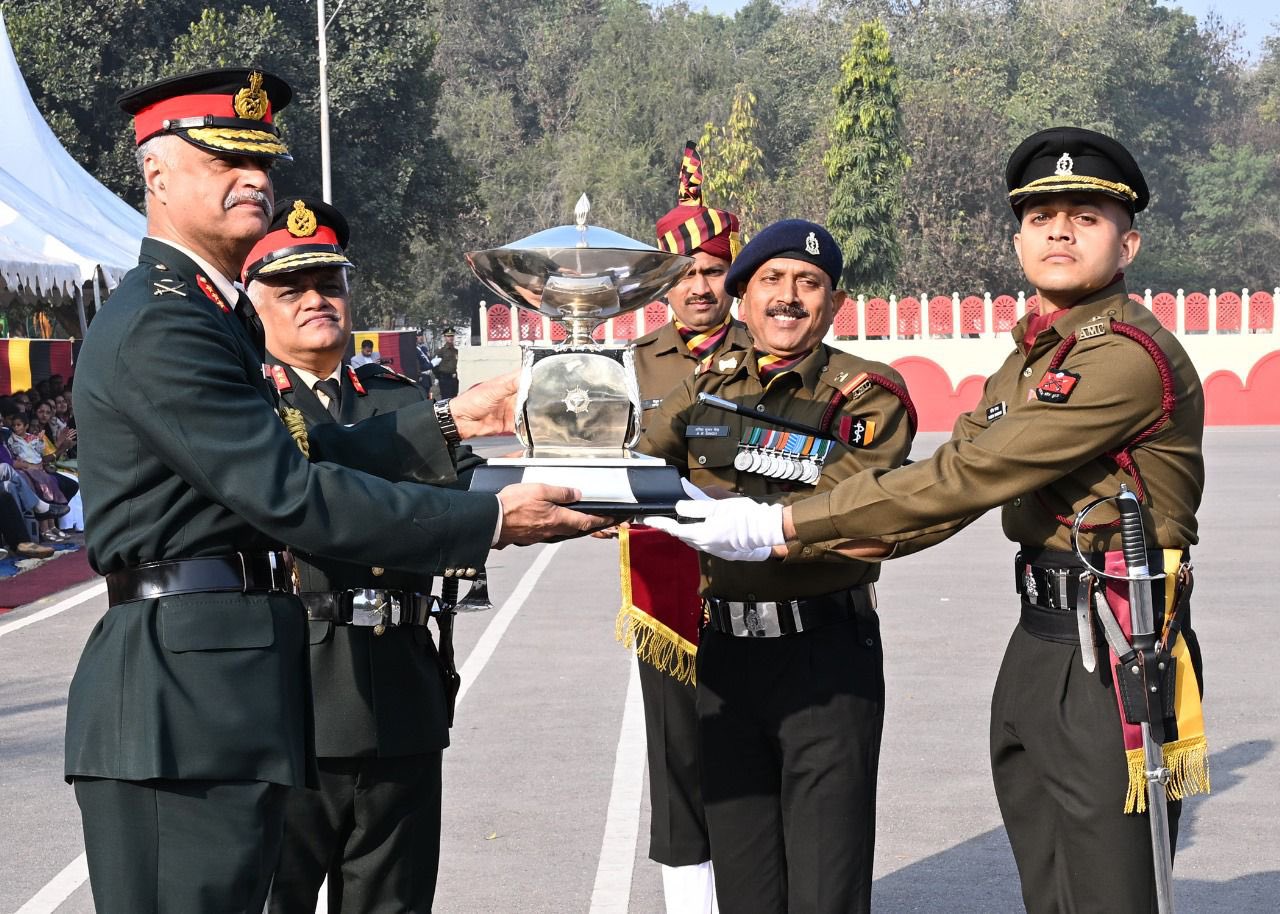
x,y
50,206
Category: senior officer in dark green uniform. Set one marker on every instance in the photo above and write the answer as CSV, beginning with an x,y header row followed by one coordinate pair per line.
x,y
790,694
702,330
379,685
1096,394
188,717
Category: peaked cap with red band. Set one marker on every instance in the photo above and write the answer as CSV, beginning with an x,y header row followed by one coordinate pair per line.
x,y
693,227
227,110
304,234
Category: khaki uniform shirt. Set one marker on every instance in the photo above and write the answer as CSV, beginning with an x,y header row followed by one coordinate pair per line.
x,y
662,361
705,441
1037,457
448,355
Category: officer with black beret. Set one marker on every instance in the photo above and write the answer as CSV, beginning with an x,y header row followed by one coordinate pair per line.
x,y
188,718
790,669
1096,395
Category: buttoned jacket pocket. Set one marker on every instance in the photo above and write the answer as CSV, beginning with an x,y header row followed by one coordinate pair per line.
x,y
215,621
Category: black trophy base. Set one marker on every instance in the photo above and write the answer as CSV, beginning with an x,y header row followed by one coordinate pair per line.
x,y
637,487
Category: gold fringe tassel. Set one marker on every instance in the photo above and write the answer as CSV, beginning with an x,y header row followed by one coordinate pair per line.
x,y
1188,763
653,642
297,426
656,644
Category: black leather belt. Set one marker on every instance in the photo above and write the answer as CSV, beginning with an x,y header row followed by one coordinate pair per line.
x,y
241,572
773,619
369,607
1049,583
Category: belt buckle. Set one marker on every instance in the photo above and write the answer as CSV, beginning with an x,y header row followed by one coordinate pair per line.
x,y
284,573
754,620
369,608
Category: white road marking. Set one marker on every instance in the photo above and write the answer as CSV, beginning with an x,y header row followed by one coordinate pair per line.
x,y
59,888
480,654
612,891
94,591
74,875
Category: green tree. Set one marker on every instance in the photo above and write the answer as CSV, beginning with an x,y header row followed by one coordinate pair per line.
x,y
732,158
866,161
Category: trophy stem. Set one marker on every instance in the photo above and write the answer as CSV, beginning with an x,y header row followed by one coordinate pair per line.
x,y
580,330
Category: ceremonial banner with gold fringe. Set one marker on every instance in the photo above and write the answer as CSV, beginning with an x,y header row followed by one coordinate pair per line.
x,y
661,610
1186,752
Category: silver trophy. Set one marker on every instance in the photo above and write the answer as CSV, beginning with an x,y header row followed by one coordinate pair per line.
x,y
578,405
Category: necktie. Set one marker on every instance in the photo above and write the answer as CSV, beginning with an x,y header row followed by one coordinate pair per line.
x,y
329,387
252,323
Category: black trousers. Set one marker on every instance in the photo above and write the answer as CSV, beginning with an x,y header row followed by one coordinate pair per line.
x,y
448,385
790,731
678,825
163,846
373,828
13,529
1057,756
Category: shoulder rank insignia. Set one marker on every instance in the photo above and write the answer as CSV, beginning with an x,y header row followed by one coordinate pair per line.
x,y
355,381
1056,386
1092,329
211,292
853,387
279,378
168,287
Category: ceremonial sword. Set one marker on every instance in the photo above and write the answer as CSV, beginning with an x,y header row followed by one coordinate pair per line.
x,y
1143,663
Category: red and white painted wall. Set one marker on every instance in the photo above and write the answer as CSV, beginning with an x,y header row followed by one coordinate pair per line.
x,y
945,344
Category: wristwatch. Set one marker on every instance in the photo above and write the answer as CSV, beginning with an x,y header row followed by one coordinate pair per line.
x,y
448,428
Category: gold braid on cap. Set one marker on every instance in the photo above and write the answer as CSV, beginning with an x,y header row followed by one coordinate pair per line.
x,y
1056,183
239,140
297,426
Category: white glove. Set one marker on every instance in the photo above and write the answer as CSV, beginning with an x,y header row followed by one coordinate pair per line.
x,y
736,529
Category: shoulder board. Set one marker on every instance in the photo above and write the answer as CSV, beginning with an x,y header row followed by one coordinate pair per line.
x,y
1098,326
166,285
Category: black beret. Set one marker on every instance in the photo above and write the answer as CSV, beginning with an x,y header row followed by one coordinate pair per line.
x,y
1063,159
305,233
224,110
795,239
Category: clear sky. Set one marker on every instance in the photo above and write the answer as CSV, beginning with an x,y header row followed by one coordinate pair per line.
x,y
1258,18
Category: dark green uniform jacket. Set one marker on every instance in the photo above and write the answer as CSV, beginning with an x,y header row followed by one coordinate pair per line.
x,y
374,694
681,434
1041,456
184,455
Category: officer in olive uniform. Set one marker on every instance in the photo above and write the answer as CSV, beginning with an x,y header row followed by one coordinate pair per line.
x,y
380,687
790,694
1096,394
445,365
702,331
189,716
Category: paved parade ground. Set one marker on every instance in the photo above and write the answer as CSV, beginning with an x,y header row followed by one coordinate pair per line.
x,y
546,807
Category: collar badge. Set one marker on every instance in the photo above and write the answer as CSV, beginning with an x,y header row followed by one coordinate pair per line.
x,y
728,364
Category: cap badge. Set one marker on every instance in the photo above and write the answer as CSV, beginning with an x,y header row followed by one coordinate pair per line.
x,y
811,244
1065,164
251,103
302,221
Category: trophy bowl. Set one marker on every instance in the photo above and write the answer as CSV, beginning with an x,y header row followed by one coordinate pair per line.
x,y
578,405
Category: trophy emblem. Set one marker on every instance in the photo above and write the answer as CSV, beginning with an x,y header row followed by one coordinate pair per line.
x,y
578,405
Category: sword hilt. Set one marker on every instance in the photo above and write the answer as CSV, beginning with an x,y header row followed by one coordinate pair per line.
x,y
1132,537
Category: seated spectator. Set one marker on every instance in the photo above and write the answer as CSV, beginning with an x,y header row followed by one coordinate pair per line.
x,y
59,441
63,410
13,534
27,452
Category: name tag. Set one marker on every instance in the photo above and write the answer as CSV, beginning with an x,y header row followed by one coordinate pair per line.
x,y
706,431
651,404
996,411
